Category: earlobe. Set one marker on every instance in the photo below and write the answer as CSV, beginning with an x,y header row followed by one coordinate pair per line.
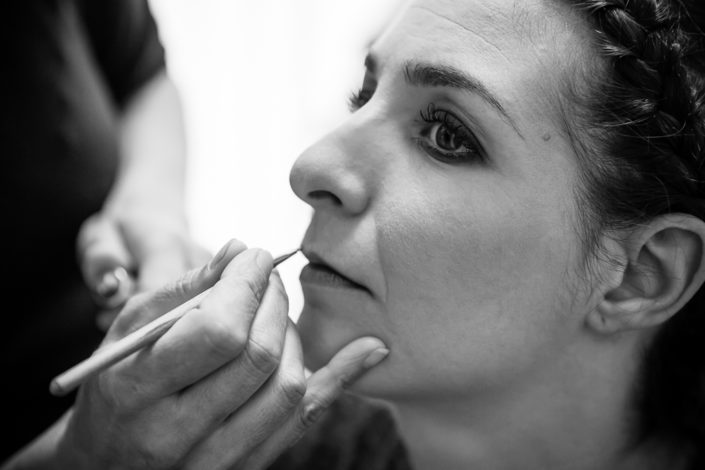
x,y
664,268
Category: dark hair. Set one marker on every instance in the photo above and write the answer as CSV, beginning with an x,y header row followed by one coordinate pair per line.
x,y
641,138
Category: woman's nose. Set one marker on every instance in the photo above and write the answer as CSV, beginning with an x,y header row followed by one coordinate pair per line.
x,y
331,175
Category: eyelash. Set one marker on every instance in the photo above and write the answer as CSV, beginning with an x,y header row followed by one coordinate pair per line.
x,y
358,99
433,116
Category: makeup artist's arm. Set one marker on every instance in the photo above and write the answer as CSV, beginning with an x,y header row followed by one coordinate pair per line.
x,y
224,387
142,225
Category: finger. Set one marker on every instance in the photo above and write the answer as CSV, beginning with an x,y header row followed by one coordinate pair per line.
x,y
233,384
207,336
145,307
323,388
255,421
101,249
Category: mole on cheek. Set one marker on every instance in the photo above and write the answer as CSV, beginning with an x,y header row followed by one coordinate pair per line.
x,y
546,137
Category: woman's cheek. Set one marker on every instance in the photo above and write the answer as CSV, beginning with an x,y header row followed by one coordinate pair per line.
x,y
466,298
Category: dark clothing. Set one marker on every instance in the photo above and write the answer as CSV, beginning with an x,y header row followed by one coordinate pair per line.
x,y
69,68
354,434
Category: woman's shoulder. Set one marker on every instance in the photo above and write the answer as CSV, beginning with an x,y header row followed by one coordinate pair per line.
x,y
355,434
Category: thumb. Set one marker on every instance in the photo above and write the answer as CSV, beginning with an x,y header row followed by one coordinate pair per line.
x,y
323,387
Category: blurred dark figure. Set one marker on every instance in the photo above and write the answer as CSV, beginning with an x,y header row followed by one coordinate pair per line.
x,y
91,128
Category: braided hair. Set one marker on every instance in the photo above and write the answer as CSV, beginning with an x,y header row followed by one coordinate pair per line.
x,y
642,127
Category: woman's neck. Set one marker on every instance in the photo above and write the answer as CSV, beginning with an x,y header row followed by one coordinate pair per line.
x,y
565,418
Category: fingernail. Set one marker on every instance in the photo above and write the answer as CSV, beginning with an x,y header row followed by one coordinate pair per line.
x,y
375,357
313,412
263,259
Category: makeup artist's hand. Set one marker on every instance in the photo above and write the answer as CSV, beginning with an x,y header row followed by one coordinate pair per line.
x,y
124,252
223,388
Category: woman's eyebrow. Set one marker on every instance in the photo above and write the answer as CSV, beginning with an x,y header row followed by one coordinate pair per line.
x,y
434,75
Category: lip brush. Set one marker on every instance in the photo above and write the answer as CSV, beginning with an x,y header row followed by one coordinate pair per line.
x,y
138,339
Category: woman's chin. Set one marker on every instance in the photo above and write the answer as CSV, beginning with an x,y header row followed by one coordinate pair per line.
x,y
319,341
322,338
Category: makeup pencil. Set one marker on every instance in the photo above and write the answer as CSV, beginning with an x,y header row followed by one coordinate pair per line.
x,y
138,339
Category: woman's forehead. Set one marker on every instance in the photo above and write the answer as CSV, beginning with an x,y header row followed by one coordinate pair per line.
x,y
516,32
524,50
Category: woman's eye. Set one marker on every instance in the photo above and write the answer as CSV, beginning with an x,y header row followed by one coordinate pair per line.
x,y
447,139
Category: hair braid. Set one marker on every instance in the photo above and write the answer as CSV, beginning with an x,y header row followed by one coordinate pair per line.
x,y
645,121
656,51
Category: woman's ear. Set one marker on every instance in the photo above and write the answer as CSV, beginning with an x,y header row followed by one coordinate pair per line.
x,y
663,268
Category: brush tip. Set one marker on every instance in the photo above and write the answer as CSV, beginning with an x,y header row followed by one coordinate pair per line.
x,y
284,257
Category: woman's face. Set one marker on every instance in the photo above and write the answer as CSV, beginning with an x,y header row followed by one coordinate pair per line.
x,y
445,219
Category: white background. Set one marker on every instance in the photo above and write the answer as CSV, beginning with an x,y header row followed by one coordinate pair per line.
x,y
260,81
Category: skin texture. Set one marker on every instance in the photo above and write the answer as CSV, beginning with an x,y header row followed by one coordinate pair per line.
x,y
478,253
225,387
507,352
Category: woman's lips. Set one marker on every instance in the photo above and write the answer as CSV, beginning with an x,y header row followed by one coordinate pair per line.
x,y
321,274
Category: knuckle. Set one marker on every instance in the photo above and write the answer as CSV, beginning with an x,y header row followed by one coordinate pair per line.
x,y
250,288
122,395
153,444
310,412
292,387
185,283
344,381
157,452
223,340
263,359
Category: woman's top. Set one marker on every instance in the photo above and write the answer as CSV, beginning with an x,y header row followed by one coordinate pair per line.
x,y
70,66
354,434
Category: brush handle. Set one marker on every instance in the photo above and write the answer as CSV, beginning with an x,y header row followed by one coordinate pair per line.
x,y
138,339
112,353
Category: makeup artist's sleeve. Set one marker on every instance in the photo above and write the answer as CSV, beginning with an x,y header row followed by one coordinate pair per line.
x,y
143,224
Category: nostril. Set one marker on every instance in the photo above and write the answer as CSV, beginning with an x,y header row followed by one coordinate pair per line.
x,y
320,195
